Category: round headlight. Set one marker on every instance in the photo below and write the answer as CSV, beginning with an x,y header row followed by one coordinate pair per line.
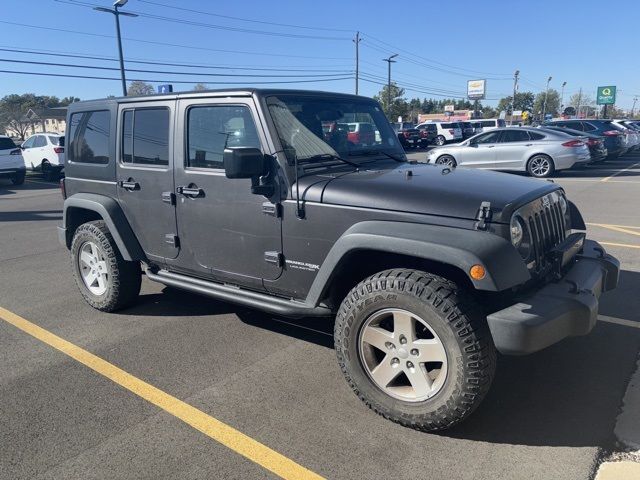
x,y
517,231
563,204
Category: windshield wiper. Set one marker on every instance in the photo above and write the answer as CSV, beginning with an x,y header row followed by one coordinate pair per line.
x,y
328,156
376,152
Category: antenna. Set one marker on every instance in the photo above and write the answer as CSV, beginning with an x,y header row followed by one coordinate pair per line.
x,y
299,209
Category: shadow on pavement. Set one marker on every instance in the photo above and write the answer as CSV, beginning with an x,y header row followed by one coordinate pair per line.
x,y
30,215
566,395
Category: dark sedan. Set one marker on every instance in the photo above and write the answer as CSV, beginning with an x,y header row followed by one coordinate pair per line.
x,y
614,138
595,142
408,134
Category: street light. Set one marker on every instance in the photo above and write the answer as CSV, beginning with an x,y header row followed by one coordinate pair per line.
x,y
562,98
116,13
389,60
544,104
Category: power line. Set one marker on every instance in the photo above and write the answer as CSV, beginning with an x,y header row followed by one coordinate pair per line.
x,y
96,67
53,53
243,19
166,44
210,25
90,77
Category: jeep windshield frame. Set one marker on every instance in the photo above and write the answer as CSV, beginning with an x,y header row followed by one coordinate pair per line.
x,y
315,128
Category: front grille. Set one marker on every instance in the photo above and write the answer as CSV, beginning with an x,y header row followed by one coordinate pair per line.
x,y
547,228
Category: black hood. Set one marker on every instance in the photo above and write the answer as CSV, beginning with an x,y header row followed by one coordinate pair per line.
x,y
427,189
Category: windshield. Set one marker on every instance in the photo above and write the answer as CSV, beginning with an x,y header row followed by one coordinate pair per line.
x,y
313,127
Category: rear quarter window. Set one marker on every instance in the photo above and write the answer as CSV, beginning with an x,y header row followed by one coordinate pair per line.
x,y
7,144
89,137
536,136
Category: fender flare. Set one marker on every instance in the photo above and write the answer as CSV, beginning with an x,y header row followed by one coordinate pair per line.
x,y
458,247
112,215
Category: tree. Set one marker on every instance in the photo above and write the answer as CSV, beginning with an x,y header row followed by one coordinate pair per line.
x,y
524,102
488,112
138,87
198,87
12,111
398,106
552,104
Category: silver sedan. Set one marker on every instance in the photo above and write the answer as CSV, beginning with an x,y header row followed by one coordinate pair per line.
x,y
538,152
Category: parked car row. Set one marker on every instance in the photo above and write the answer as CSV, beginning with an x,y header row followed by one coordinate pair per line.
x,y
42,152
440,133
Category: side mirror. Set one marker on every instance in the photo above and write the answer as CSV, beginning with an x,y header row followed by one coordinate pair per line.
x,y
244,162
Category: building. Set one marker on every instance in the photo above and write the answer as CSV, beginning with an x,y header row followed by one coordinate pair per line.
x,y
47,120
40,120
455,116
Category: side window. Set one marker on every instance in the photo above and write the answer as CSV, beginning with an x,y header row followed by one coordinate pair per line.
x,y
514,135
490,137
573,125
39,141
536,136
588,127
29,142
212,128
145,136
89,137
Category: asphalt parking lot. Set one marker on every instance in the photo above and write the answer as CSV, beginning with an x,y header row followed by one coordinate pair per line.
x,y
551,415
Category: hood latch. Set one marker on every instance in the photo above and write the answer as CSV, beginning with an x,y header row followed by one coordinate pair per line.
x,y
484,216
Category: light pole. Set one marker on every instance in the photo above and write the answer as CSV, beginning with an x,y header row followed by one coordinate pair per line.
x,y
635,99
562,98
389,61
515,90
357,41
544,104
116,13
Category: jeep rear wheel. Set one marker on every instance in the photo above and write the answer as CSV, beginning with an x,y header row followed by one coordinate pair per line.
x,y
106,281
415,348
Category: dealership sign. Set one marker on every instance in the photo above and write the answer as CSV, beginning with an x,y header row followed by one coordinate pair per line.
x,y
476,89
606,95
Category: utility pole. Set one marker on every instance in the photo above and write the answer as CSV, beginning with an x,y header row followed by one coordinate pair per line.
x,y
357,41
635,99
515,90
562,97
389,61
117,13
544,104
579,102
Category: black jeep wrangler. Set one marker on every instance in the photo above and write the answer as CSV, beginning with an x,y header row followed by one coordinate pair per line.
x,y
243,196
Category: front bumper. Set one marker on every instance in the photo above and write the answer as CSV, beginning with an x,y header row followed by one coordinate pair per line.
x,y
561,309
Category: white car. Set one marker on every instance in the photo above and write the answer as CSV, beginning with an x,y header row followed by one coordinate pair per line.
x,y
44,152
11,161
632,136
447,132
490,123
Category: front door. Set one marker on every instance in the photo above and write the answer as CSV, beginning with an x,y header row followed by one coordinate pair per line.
x,y
480,153
225,230
145,175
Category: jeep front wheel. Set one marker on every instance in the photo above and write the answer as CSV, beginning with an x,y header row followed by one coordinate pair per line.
x,y
106,281
415,348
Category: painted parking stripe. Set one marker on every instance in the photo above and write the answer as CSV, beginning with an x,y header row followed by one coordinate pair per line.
x,y
213,428
613,225
621,171
619,321
623,245
616,228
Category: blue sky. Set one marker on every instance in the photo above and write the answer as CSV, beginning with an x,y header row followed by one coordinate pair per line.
x,y
441,45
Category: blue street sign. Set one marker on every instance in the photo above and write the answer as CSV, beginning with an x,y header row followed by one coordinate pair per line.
x,y
165,88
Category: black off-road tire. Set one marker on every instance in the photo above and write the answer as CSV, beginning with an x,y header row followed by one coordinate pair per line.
x,y
457,320
124,279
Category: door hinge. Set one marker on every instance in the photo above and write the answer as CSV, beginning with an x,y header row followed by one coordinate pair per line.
x,y
169,197
172,239
484,216
275,258
273,209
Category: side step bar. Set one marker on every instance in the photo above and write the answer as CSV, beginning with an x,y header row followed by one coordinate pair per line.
x,y
260,301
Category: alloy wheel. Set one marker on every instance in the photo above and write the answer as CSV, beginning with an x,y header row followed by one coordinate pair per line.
x,y
93,268
540,166
402,355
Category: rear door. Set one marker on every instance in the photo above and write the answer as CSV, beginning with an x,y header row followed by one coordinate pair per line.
x,y
510,150
145,175
225,230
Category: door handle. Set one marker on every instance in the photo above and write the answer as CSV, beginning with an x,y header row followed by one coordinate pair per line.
x,y
191,191
490,146
528,144
130,185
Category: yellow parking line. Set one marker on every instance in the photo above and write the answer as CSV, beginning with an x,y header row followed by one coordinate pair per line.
x,y
613,225
213,428
621,171
616,229
623,245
